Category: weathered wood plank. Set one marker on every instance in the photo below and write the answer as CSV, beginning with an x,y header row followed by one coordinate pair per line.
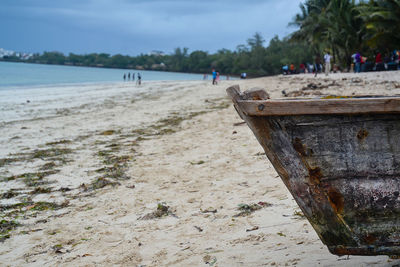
x,y
320,106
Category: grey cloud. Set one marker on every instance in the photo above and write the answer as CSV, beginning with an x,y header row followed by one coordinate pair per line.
x,y
152,24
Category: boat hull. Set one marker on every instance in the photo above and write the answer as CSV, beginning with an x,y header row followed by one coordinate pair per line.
x,y
343,170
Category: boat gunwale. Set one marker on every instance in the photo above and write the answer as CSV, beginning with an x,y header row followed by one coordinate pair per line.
x,y
357,105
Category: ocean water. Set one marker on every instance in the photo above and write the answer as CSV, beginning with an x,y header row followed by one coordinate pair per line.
x,y
31,75
34,91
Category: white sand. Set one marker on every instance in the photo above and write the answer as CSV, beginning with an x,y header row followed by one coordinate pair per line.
x,y
202,168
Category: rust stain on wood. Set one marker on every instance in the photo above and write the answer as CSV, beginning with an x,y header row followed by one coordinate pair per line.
x,y
315,175
336,200
362,134
299,147
370,239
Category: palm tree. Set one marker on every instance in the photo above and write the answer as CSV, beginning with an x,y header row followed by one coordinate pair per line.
x,y
382,19
310,23
345,30
332,25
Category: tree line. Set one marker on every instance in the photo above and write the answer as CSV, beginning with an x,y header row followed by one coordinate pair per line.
x,y
253,58
339,26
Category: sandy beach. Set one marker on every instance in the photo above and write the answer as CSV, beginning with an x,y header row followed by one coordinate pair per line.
x,y
156,177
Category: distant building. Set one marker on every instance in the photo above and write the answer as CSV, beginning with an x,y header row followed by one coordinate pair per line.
x,y
9,53
160,66
156,53
6,53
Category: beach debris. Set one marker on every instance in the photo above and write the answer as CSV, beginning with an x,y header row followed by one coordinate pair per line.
x,y
234,132
254,228
247,209
59,142
311,86
239,123
209,260
298,93
396,85
299,215
58,248
162,211
130,186
98,183
356,80
209,210
197,162
198,228
65,189
281,234
108,132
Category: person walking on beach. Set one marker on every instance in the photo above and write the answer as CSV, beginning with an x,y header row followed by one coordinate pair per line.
x,y
124,76
133,76
139,79
129,76
214,75
327,59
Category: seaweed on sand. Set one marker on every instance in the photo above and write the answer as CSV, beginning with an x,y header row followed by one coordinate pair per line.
x,y
247,209
162,211
50,153
98,183
33,178
6,227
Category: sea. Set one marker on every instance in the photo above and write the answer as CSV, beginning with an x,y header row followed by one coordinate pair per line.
x,y
15,75
32,91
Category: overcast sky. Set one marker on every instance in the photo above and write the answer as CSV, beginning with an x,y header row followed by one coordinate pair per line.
x,y
131,27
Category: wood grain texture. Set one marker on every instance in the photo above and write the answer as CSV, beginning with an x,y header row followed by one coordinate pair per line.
x,y
320,106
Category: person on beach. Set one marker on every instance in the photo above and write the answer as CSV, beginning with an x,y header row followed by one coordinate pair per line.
x,y
292,69
139,79
133,76
379,62
357,60
302,68
214,75
124,76
317,65
327,59
285,69
129,76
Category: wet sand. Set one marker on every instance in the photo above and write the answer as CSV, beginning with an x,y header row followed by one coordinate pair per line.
x,y
157,178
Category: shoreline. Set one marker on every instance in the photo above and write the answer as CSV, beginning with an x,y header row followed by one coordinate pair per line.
x,y
159,179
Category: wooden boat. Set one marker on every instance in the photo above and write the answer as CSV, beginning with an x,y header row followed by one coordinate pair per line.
x,y
340,160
